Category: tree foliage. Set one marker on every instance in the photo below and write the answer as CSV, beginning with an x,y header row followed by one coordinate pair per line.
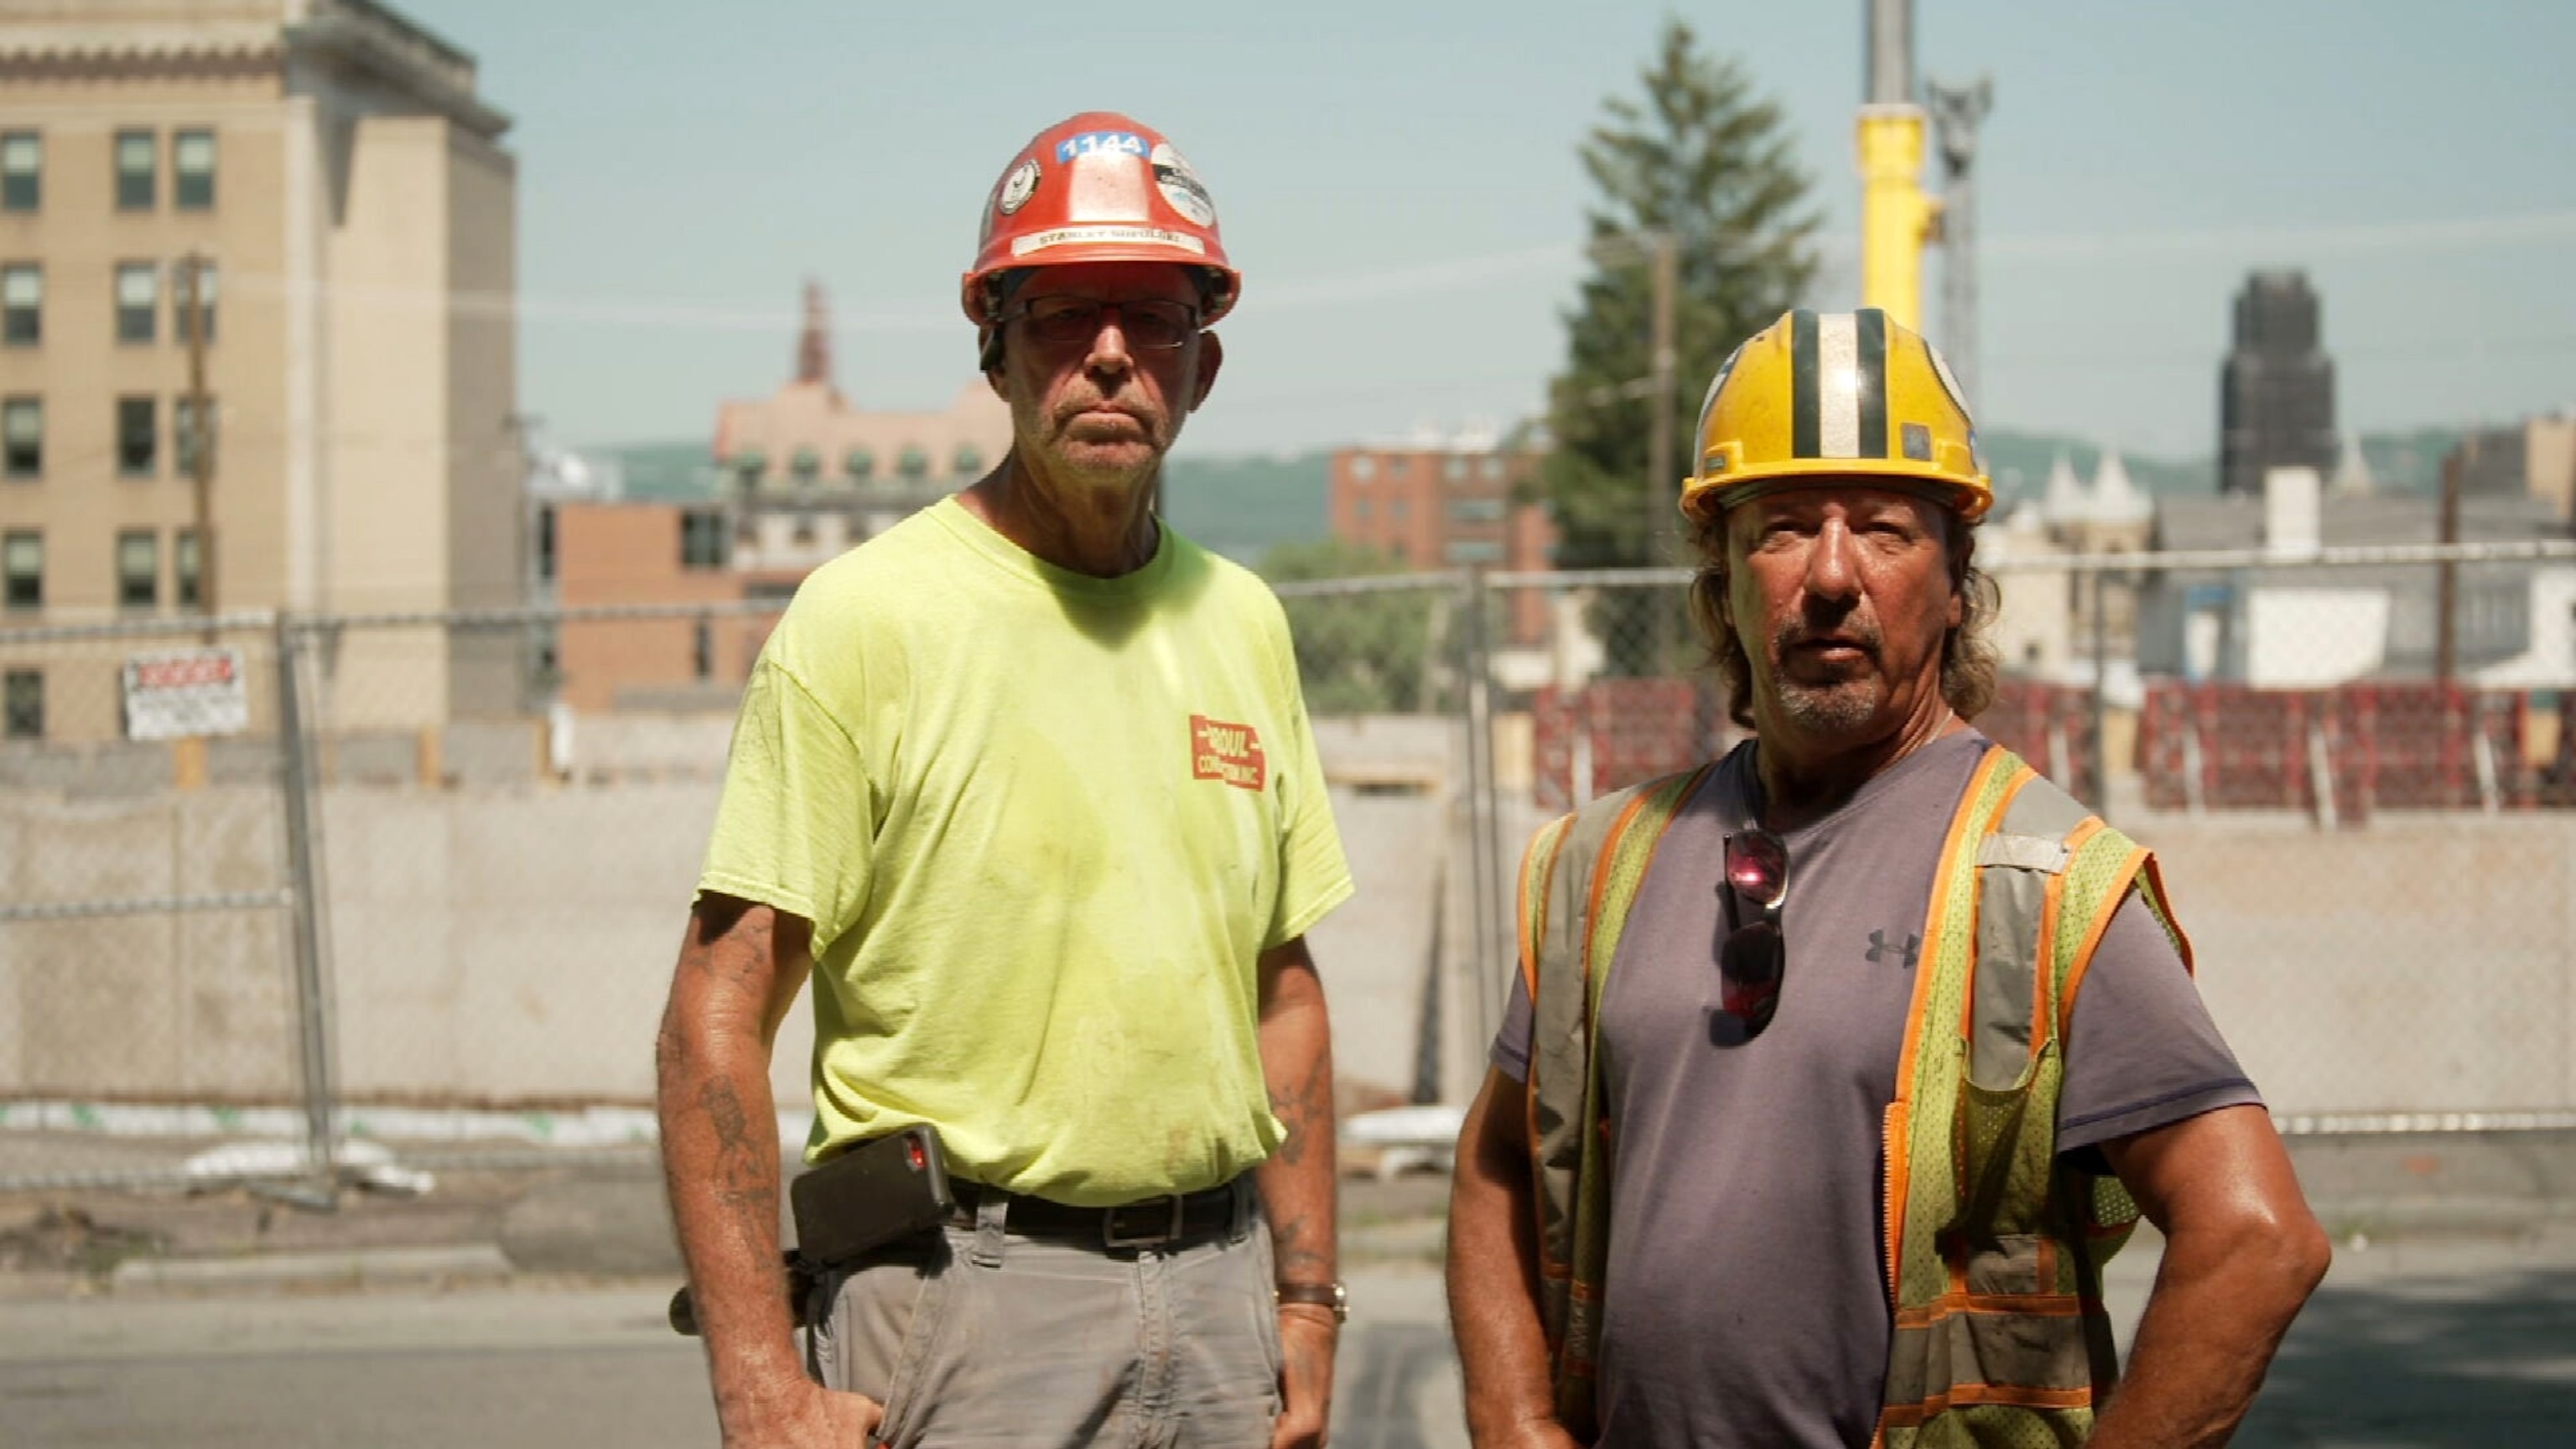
x,y
1706,159
1357,653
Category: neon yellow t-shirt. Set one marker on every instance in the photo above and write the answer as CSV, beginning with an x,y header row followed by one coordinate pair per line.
x,y
1043,824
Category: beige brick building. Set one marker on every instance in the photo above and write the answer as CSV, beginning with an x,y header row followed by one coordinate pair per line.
x,y
331,163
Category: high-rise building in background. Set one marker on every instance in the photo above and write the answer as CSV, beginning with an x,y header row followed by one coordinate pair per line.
x,y
329,171
2276,396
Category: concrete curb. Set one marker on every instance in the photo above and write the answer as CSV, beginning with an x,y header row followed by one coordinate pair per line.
x,y
369,1268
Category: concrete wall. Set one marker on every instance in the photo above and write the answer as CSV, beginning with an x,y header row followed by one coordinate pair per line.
x,y
514,947
2423,963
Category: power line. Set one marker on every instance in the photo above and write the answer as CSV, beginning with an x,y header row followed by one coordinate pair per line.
x,y
1461,274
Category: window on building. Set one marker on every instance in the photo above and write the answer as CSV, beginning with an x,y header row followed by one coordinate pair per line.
x,y
192,170
860,464
702,539
22,705
969,462
1473,550
22,437
1475,510
22,304
1454,469
1398,466
702,649
188,572
1398,509
806,465
750,466
22,171
138,170
138,301
186,436
545,543
22,571
913,464
1359,510
138,569
1363,468
138,437
1493,468
546,668
802,535
203,277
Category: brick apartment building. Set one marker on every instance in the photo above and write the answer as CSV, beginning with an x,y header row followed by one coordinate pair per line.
x,y
1445,506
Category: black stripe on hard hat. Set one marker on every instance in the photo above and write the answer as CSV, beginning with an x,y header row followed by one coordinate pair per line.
x,y
1806,403
1871,381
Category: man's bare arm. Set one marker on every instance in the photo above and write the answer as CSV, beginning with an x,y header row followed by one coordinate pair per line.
x,y
1298,1182
740,968
2242,1253
1493,1276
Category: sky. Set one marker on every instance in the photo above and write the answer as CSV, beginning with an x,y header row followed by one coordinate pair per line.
x,y
1400,186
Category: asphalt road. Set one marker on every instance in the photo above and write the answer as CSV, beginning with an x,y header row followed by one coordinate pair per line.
x,y
2444,1343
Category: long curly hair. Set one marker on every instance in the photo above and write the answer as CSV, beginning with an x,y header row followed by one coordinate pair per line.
x,y
1968,659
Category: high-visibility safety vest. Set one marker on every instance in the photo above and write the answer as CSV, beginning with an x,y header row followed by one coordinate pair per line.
x,y
1994,1247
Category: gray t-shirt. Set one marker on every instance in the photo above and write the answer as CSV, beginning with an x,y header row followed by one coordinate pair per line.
x,y
1745,1302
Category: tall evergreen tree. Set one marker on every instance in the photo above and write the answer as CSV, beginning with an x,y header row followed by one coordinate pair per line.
x,y
1706,159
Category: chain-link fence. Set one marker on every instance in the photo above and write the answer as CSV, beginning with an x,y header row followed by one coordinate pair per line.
x,y
430,881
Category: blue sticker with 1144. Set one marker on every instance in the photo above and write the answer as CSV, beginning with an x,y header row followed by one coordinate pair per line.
x,y
1091,141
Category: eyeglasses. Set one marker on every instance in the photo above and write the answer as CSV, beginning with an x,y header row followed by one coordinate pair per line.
x,y
1750,961
1150,324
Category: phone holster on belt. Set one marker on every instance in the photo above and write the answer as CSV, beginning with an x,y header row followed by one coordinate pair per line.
x,y
882,1190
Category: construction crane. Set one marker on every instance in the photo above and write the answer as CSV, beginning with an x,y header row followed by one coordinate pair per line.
x,y
1896,218
1957,112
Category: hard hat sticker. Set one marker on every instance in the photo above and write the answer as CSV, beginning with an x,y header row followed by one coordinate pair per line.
x,y
1106,236
1949,384
1181,186
1115,142
1018,187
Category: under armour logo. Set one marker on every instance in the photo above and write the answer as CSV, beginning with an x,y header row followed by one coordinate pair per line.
x,y
1883,949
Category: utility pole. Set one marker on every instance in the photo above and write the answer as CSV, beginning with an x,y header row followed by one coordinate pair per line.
x,y
1896,218
200,434
1956,115
2446,585
1664,264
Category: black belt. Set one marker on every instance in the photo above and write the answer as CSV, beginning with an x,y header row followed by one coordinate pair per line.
x,y
1148,1223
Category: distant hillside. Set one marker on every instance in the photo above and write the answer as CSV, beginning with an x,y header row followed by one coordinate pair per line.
x,y
664,472
1239,507
2020,464
2404,462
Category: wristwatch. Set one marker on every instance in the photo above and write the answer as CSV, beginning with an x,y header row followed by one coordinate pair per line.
x,y
1322,1295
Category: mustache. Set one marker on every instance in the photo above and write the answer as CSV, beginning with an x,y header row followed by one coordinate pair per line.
x,y
1859,635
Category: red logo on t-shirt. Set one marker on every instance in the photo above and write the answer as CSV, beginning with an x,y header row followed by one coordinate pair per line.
x,y
1228,752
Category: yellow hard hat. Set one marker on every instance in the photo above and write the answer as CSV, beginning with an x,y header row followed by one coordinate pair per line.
x,y
1828,395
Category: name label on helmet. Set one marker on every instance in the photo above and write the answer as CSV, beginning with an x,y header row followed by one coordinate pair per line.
x,y
1106,236
1125,143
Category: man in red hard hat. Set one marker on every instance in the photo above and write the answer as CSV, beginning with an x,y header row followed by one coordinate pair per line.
x,y
1026,785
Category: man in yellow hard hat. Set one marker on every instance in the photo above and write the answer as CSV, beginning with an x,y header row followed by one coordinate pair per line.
x,y
1026,785
1836,1068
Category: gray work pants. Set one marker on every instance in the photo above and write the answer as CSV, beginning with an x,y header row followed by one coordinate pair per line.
x,y
982,1336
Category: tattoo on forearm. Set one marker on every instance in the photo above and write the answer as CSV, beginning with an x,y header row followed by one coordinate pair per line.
x,y
744,1177
1305,1112
1296,1255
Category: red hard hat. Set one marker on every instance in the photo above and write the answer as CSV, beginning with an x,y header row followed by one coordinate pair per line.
x,y
1098,187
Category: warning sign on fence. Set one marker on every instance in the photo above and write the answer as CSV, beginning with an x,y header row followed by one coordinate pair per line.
x,y
180,692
